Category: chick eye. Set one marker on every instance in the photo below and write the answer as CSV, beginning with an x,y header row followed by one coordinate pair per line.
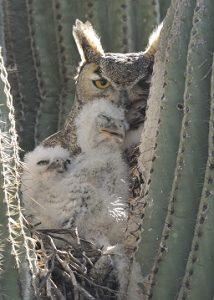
x,y
104,117
102,83
68,161
43,162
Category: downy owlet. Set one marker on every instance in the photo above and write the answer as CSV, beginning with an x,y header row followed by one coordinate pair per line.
x,y
88,191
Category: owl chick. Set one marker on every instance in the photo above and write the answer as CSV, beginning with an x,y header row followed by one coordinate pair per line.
x,y
122,78
89,191
101,128
43,169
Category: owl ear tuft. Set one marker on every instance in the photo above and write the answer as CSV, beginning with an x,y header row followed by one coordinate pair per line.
x,y
88,42
153,41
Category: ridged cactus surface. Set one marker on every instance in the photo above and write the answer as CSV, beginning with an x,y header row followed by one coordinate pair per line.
x,y
176,162
17,259
177,243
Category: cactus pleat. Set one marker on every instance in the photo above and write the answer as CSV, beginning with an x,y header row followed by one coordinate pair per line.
x,y
147,16
18,269
123,29
21,73
163,6
2,35
67,54
42,34
175,170
168,122
95,12
120,28
199,275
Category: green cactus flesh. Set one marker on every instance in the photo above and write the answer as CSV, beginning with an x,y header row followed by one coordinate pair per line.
x,y
198,280
174,177
18,268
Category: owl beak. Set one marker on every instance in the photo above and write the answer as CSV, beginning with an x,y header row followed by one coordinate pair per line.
x,y
59,165
115,133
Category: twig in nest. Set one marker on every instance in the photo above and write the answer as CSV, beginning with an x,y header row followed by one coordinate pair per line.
x,y
47,276
57,291
97,285
72,243
66,278
67,271
75,263
72,232
66,267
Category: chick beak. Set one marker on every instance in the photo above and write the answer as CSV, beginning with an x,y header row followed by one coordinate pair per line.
x,y
115,132
59,165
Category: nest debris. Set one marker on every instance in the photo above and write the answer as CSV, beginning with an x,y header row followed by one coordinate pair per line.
x,y
79,271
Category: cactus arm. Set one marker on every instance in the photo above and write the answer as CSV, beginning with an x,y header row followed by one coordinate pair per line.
x,y
43,44
123,30
121,34
67,56
96,13
147,18
198,280
2,35
168,85
22,75
118,27
169,263
186,189
18,278
148,157
8,272
164,5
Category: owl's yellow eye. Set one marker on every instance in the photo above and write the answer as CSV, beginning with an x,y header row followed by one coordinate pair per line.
x,y
102,83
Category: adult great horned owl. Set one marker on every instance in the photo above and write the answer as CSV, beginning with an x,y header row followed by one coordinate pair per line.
x,y
123,78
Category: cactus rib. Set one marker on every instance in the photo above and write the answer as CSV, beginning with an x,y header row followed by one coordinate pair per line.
x,y
168,127
198,283
65,47
15,236
22,74
163,278
42,34
147,17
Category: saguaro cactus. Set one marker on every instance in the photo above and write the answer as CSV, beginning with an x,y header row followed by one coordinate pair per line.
x,y
177,244
176,162
18,267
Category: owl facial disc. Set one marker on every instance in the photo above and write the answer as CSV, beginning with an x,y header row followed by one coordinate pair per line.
x,y
114,130
59,165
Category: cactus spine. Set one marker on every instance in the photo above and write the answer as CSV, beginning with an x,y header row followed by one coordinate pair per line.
x,y
172,262
18,268
176,246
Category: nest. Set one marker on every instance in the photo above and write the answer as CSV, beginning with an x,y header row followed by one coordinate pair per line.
x,y
78,271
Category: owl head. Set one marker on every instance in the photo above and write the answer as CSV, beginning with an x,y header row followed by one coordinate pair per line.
x,y
100,123
123,78
47,161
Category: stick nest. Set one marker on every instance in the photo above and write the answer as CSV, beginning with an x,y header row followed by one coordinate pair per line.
x,y
77,271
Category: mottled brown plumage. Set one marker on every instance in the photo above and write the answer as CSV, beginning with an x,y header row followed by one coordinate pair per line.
x,y
122,78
